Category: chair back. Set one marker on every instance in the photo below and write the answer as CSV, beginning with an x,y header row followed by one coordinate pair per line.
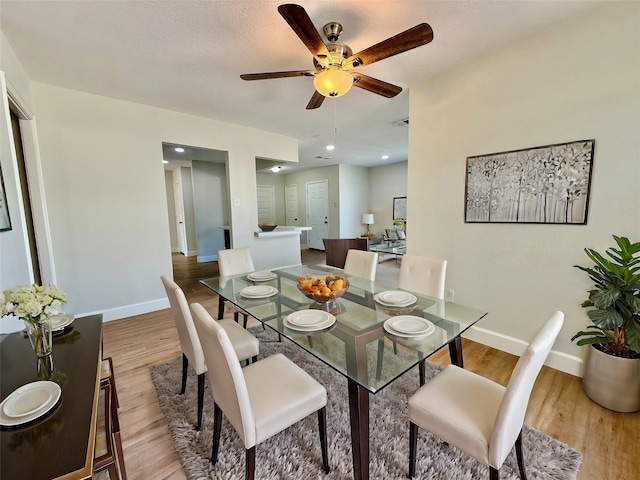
x,y
228,386
184,324
361,264
514,403
336,249
234,261
423,275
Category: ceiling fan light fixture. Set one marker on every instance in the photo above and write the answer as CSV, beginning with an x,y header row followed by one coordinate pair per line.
x,y
333,82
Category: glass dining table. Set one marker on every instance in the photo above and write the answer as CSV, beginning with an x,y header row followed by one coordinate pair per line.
x,y
361,345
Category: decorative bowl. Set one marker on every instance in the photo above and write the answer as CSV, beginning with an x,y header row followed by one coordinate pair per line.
x,y
323,289
267,228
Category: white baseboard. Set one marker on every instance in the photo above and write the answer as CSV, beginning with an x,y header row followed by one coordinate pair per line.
x,y
558,360
130,310
175,250
207,258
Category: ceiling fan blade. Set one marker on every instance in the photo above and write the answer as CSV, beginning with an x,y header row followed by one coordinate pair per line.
x,y
374,85
316,101
265,76
414,37
299,21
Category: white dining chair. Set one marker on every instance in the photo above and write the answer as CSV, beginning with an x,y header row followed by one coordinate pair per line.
x,y
476,415
360,263
423,275
245,345
259,400
235,261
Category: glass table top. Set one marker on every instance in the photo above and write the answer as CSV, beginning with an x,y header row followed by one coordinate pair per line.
x,y
398,249
358,345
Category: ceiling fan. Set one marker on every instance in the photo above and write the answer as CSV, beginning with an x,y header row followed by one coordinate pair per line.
x,y
334,61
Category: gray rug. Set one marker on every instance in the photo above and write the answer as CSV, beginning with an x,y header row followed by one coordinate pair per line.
x,y
295,453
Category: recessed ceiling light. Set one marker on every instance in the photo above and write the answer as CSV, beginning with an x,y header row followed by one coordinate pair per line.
x,y
165,161
275,169
385,157
179,149
331,147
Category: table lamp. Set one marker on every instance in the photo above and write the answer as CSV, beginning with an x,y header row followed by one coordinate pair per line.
x,y
367,218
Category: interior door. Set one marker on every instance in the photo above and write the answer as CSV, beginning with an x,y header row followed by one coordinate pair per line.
x,y
291,204
266,203
182,233
318,212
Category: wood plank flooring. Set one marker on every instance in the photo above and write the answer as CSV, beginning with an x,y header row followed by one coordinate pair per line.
x,y
608,441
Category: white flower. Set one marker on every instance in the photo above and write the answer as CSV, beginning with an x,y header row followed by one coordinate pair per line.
x,y
32,303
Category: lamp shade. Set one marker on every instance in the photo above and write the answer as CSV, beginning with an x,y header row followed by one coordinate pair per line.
x,y
333,82
367,218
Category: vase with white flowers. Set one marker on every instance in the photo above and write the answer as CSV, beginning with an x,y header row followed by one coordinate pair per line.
x,y
34,305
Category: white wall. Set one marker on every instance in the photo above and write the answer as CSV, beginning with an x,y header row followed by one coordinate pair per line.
x,y
171,210
211,204
578,80
103,176
385,183
354,200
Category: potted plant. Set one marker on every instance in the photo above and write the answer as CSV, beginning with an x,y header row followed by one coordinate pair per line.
x,y
611,374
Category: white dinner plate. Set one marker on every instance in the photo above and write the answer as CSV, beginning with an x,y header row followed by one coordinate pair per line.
x,y
411,325
395,298
258,291
388,326
29,402
59,322
309,320
261,276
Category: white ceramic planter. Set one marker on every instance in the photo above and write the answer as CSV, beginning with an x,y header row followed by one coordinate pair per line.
x,y
612,382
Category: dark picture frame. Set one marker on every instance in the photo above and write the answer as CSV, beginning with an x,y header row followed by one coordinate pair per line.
x,y
5,219
400,209
548,184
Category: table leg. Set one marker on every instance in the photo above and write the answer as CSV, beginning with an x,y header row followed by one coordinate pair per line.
x,y
359,414
455,351
221,300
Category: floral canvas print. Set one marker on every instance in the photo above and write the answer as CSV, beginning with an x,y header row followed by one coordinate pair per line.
x,y
548,184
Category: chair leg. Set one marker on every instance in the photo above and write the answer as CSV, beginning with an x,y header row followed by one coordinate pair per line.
x,y
185,365
120,455
235,316
250,463
217,424
322,426
494,473
246,319
523,475
413,445
200,399
254,359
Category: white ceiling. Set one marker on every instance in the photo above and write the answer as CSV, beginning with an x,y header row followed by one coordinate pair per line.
x,y
187,56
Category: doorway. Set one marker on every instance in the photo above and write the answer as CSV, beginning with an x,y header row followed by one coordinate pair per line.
x,y
318,212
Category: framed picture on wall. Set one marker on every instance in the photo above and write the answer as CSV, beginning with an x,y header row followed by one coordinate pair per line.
x,y
5,221
548,184
400,208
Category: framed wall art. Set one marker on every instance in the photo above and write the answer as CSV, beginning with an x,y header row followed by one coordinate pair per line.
x,y
548,184
5,221
400,208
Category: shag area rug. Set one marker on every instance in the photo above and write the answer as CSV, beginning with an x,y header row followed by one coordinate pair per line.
x,y
295,453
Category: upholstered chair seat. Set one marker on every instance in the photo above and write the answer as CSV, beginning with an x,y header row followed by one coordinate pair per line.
x,y
476,415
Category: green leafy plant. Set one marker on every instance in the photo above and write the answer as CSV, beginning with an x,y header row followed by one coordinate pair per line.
x,y
615,301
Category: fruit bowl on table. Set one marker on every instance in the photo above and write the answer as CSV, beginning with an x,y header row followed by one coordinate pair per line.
x,y
267,228
322,289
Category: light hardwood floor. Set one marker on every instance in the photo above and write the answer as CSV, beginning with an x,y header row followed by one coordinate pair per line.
x,y
609,441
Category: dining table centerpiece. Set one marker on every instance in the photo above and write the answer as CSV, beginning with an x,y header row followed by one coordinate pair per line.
x,y
35,305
